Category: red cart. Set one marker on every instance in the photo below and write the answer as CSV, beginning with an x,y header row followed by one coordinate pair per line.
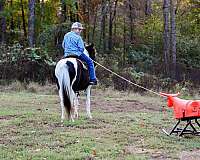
x,y
187,111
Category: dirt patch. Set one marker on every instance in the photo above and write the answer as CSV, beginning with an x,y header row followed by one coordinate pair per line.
x,y
155,154
8,117
112,102
123,106
191,155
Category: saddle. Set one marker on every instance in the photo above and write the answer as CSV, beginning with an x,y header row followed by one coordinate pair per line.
x,y
71,56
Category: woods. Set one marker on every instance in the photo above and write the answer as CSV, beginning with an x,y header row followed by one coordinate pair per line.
x,y
154,37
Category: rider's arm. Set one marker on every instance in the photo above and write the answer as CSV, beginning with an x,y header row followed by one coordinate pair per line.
x,y
81,45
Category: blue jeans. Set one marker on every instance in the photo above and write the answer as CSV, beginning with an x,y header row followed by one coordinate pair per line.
x,y
90,65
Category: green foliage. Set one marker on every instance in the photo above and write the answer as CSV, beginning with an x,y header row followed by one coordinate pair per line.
x,y
151,30
188,22
16,52
141,58
10,53
71,4
51,38
29,64
188,51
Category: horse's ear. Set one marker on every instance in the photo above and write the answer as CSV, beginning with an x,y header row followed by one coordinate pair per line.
x,y
92,44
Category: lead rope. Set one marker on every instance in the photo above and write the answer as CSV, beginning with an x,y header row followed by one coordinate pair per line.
x,y
127,79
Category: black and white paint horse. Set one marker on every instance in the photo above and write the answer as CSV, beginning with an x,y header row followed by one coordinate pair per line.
x,y
72,76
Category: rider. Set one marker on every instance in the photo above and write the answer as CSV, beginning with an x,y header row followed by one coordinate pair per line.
x,y
73,45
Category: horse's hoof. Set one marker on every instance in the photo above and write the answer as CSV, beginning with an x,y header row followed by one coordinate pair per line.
x,y
90,117
72,119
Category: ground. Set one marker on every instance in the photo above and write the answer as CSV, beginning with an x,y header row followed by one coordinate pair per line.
x,y
124,126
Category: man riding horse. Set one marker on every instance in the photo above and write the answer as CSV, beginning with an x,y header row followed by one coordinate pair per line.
x,y
71,74
73,46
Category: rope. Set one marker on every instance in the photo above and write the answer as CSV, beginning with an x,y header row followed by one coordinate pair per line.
x,y
127,80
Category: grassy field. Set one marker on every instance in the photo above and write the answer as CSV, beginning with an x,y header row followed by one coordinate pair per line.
x,y
125,126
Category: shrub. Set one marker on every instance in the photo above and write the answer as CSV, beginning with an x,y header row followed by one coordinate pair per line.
x,y
25,65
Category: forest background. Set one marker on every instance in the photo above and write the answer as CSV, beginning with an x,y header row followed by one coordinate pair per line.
x,y
154,43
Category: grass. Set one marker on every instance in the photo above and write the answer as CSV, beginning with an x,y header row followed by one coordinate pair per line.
x,y
30,128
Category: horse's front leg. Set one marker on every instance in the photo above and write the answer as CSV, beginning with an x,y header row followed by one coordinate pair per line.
x,y
76,106
88,102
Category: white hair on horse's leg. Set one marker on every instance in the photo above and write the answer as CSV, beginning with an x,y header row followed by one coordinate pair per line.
x,y
88,102
62,106
77,94
76,104
72,115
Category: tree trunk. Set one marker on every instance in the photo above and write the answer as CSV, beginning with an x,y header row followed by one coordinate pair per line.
x,y
83,4
124,44
94,26
111,19
148,8
77,8
31,21
103,25
173,37
88,21
42,10
166,38
63,11
23,19
130,6
2,24
12,21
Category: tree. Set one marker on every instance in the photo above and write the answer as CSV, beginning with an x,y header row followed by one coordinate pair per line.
x,y
131,17
23,18
94,12
173,36
31,21
2,23
112,14
148,9
12,27
63,11
103,24
166,38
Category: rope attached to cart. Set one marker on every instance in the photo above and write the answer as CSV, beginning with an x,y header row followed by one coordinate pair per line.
x,y
158,94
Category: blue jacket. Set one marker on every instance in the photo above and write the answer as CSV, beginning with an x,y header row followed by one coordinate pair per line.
x,y
72,44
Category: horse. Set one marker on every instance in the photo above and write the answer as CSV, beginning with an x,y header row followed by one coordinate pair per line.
x,y
72,76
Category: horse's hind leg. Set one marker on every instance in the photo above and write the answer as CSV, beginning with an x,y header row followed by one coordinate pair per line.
x,y
73,106
88,102
62,106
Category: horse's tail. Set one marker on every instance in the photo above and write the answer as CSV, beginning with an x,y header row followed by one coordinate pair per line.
x,y
65,91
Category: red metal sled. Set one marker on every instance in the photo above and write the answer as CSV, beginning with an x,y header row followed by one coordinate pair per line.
x,y
184,110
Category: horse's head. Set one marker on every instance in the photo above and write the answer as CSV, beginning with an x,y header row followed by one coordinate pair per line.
x,y
91,50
